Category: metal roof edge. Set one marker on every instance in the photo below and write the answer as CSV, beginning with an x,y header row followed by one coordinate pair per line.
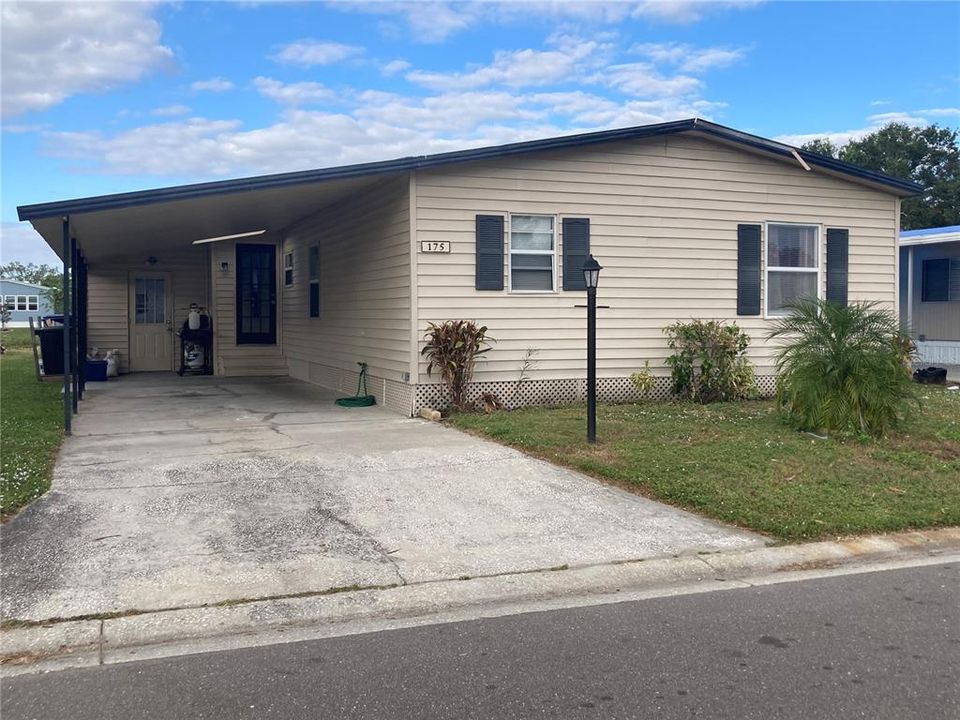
x,y
261,182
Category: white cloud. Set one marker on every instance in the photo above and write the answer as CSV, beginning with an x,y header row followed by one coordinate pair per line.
x,y
315,52
292,93
879,103
873,123
214,84
19,242
942,112
395,66
53,50
170,110
436,21
515,69
643,79
687,58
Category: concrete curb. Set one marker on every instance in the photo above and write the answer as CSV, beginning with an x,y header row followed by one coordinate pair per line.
x,y
77,643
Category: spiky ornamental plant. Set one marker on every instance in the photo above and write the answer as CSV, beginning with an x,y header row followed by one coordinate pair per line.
x,y
843,368
452,349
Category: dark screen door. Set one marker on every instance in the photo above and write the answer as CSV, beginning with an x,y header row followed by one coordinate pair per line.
x,y
256,294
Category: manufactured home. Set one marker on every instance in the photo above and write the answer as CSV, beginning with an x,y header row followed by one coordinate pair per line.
x,y
23,301
307,274
930,292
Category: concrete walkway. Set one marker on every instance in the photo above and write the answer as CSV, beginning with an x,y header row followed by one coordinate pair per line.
x,y
178,492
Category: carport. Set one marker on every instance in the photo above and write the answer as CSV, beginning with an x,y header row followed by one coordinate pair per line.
x,y
184,236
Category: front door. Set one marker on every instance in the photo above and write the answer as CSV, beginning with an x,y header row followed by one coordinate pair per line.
x,y
151,322
256,295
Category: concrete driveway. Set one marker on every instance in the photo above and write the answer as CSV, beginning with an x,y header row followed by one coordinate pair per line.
x,y
177,492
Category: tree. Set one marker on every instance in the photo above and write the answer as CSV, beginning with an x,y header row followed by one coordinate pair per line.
x,y
929,156
49,277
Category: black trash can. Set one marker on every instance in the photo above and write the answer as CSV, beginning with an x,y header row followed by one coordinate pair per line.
x,y
51,349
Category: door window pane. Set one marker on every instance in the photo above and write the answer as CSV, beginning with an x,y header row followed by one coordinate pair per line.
x,y
150,300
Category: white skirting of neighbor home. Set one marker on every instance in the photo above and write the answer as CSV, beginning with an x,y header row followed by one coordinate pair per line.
x,y
939,352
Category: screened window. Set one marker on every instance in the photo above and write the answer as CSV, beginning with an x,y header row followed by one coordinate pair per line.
x,y
533,253
288,269
11,302
935,280
314,281
793,266
33,302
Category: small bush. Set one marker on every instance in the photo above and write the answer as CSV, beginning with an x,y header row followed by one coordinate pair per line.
x,y
843,369
709,362
643,380
452,349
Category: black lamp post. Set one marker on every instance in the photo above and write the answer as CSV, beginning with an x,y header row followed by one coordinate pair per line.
x,y
591,276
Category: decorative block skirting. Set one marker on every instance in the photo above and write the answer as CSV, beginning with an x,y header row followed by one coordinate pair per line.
x,y
557,392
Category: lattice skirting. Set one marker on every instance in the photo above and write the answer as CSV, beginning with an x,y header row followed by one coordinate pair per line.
x,y
557,392
391,394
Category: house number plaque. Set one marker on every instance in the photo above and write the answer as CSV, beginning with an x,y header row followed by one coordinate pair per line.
x,y
434,246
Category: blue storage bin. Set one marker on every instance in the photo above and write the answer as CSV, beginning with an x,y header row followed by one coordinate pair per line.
x,y
97,370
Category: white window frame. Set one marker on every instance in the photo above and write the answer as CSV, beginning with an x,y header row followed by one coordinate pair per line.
x,y
288,256
767,269
510,254
10,301
33,303
24,303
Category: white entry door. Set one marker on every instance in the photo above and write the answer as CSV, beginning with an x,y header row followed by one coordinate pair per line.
x,y
151,322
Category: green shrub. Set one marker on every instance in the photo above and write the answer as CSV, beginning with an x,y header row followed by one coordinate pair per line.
x,y
843,369
643,380
709,362
452,349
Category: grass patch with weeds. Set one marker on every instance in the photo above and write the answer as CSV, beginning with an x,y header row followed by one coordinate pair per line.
x,y
737,462
31,428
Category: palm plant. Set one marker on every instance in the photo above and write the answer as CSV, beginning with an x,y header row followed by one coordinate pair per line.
x,y
452,348
843,368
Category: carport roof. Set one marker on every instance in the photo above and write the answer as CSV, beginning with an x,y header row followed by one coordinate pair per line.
x,y
341,181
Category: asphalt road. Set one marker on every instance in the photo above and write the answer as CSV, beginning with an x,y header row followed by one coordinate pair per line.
x,y
875,645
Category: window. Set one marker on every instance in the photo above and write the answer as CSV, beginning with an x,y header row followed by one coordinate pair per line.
x,y
288,268
935,280
150,296
314,281
33,302
11,302
21,302
793,266
533,253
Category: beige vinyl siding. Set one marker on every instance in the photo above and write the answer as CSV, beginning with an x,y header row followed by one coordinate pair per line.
x,y
108,297
231,359
664,215
364,285
934,320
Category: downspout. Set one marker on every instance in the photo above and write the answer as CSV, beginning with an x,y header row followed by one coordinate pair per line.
x,y
74,326
67,403
910,289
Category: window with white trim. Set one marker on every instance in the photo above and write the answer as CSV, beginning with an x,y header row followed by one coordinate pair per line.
x,y
21,302
288,269
533,253
10,301
33,302
793,265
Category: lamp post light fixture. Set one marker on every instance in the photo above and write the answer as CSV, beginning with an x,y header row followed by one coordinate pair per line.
x,y
591,277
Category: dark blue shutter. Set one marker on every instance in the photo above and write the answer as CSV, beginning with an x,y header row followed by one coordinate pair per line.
x,y
748,269
489,250
576,248
838,260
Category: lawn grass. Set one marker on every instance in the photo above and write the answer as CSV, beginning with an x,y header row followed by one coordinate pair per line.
x,y
16,338
737,462
31,427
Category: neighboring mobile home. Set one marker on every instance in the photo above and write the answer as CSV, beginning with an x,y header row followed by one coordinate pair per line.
x,y
309,273
930,292
24,301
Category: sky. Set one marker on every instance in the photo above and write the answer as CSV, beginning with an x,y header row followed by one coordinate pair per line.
x,y
102,98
